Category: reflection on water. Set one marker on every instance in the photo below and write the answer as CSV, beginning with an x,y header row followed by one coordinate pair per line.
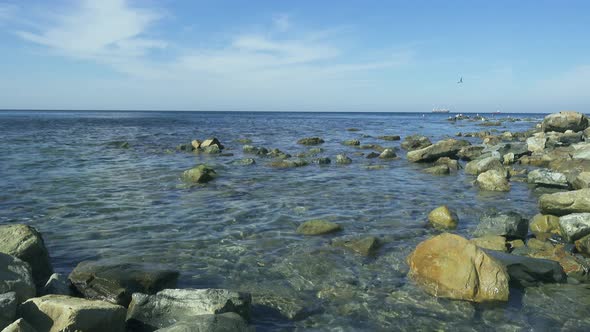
x,y
65,174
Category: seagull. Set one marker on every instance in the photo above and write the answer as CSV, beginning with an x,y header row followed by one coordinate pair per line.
x,y
460,80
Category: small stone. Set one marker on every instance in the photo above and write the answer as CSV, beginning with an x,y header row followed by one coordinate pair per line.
x,y
318,227
389,137
508,159
387,154
438,170
244,162
199,174
343,159
289,163
310,141
322,161
352,142
443,217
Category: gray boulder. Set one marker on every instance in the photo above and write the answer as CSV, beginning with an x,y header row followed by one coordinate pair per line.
x,y
25,243
563,121
508,224
225,322
181,305
115,282
57,284
574,226
415,142
582,181
199,174
16,276
562,203
527,271
470,152
581,151
478,166
8,304
65,313
387,154
310,141
493,180
536,143
547,178
444,148
343,159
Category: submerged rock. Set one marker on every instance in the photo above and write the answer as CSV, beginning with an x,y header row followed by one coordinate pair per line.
x,y
558,307
244,162
310,141
343,159
65,313
562,203
574,226
387,154
116,282
255,150
150,312
527,271
8,304
318,227
493,180
544,177
228,321
365,246
443,217
438,170
444,148
565,120
450,266
25,243
415,142
16,276
199,174
508,224
289,163
389,137
452,164
322,161
352,142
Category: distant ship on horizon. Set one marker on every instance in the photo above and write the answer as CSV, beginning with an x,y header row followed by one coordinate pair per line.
x,y
440,110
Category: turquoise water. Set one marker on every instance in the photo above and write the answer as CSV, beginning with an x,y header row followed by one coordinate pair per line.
x,y
65,174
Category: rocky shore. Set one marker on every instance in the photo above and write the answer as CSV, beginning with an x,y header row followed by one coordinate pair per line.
x,y
505,255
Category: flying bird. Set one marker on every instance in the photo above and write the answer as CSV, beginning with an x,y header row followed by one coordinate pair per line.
x,y
460,80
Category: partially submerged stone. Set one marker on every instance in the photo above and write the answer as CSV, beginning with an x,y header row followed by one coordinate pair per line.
x,y
116,282
562,203
352,142
438,170
387,154
365,246
181,305
415,142
228,321
444,148
199,174
318,227
493,180
16,276
343,159
25,243
443,217
288,163
64,313
470,152
244,162
450,266
389,137
547,178
310,141
528,271
478,166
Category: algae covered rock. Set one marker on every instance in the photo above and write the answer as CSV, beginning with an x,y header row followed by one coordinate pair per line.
x,y
443,217
415,142
115,282
450,266
478,166
387,154
25,243
64,313
318,227
310,141
444,148
199,174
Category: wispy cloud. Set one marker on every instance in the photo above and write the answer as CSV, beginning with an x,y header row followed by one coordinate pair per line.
x,y
281,22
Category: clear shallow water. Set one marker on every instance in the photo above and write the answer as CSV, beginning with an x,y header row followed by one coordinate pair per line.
x,y
63,173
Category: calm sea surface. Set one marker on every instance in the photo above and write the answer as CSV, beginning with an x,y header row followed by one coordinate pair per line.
x,y
65,174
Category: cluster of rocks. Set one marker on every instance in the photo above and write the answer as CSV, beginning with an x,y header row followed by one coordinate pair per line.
x,y
507,249
210,145
104,295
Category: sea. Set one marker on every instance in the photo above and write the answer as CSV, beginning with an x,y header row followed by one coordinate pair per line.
x,y
70,175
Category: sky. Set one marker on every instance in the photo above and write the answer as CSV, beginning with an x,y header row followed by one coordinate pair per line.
x,y
304,55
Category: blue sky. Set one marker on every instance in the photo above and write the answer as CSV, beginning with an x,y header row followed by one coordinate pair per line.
x,y
516,56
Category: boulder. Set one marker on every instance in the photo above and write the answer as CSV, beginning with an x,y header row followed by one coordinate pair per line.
x,y
574,226
115,282
20,325
450,266
244,162
16,276
372,155
470,152
581,151
582,181
365,245
583,245
255,150
199,174
8,304
25,243
539,245
443,217
150,312
544,223
508,158
565,120
492,242
228,321
211,142
211,149
310,141
478,166
438,170
493,180
55,313
444,148
343,159
562,203
415,142
387,154
289,163
318,227
389,137
352,142
196,144
57,284
508,224
528,271
322,161
574,267
452,164
547,178
536,143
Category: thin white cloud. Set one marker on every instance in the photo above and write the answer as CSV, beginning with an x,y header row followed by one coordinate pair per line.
x,y
281,22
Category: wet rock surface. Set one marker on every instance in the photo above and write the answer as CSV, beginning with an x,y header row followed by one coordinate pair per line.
x,y
16,276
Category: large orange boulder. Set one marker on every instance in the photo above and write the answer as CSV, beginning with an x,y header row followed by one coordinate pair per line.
x,y
451,266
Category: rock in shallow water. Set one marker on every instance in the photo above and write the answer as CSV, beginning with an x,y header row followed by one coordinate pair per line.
x,y
415,142
65,313
450,266
116,282
562,203
492,242
555,306
508,224
544,177
493,180
199,174
25,243
527,271
574,226
226,322
16,276
149,312
443,217
444,148
565,120
365,246
310,141
318,227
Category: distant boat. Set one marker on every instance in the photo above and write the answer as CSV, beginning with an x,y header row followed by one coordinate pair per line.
x,y
497,112
440,110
